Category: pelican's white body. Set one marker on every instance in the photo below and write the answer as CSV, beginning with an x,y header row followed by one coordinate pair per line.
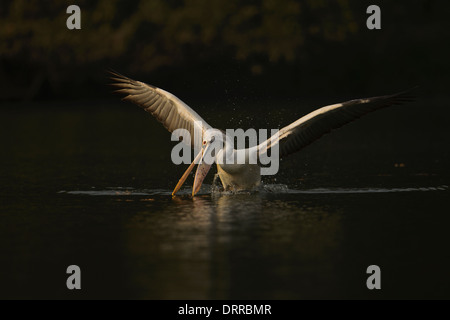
x,y
236,177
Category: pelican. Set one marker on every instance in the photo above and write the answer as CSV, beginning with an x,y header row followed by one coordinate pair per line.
x,y
174,114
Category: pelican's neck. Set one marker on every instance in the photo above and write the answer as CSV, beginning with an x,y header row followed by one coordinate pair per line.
x,y
232,160
225,155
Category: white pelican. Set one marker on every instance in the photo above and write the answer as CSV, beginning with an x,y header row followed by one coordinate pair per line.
x,y
174,114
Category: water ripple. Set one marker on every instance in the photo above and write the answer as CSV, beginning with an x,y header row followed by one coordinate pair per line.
x,y
268,188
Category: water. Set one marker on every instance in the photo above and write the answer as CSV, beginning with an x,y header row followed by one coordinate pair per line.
x,y
91,185
270,188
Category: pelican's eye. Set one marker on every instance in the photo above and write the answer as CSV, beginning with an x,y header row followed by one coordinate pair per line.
x,y
204,142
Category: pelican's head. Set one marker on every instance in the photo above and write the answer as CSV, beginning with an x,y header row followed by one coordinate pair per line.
x,y
212,143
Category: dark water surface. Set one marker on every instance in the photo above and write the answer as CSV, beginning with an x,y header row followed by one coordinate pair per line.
x,y
89,184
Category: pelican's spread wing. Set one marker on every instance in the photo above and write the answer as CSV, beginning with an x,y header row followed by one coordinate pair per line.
x,y
311,127
164,106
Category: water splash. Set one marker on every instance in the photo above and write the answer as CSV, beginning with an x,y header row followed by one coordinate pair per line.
x,y
264,189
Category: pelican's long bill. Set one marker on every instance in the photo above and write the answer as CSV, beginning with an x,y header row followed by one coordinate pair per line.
x,y
186,173
202,171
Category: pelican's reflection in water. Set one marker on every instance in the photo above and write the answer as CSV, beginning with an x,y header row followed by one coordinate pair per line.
x,y
241,246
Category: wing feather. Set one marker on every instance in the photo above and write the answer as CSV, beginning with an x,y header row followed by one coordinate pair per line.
x,y
314,125
164,106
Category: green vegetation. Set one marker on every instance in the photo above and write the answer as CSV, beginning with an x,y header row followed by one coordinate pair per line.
x,y
264,38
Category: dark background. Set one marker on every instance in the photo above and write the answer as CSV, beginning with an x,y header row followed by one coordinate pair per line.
x,y
234,50
259,64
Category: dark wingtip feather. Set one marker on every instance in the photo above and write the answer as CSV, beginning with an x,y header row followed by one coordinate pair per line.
x,y
114,74
120,81
120,78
